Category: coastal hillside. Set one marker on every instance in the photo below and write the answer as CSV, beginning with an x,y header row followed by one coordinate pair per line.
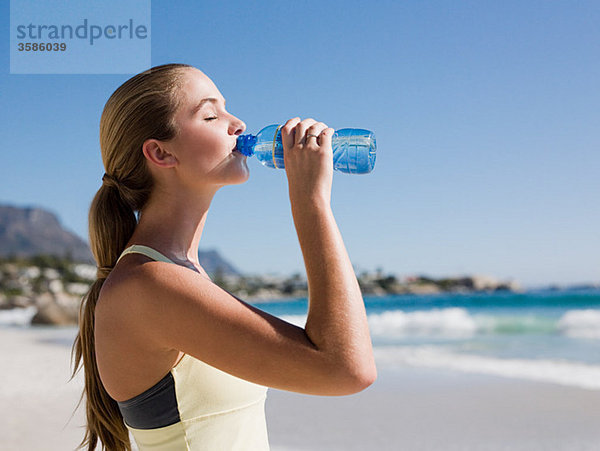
x,y
29,231
214,264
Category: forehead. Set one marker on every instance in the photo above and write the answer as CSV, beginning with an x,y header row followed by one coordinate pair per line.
x,y
197,86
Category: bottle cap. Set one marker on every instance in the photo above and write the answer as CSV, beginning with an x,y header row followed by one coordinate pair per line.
x,y
245,144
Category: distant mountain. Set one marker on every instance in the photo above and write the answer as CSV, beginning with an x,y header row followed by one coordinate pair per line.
x,y
213,263
29,231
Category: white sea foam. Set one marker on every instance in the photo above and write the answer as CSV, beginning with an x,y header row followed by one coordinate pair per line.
x,y
554,371
449,322
581,323
17,316
455,323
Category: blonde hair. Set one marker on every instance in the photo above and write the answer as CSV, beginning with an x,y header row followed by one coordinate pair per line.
x,y
141,108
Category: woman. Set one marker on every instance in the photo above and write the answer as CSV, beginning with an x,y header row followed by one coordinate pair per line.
x,y
168,355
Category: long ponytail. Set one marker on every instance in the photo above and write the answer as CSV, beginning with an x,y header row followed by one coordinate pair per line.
x,y
141,108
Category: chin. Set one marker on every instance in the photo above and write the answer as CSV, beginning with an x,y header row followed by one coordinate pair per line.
x,y
243,179
239,176
229,172
246,172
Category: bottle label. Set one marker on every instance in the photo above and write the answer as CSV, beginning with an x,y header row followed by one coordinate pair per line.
x,y
275,145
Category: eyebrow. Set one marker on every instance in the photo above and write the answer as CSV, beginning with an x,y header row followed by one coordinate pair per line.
x,y
207,99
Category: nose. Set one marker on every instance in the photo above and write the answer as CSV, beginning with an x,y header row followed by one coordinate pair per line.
x,y
236,126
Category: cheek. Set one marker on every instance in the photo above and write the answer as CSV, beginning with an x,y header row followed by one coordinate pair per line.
x,y
193,142
213,146
204,137
202,146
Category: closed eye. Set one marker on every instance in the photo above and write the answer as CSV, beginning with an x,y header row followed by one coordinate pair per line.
x,y
211,118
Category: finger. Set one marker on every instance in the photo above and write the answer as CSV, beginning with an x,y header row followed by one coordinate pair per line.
x,y
313,133
326,136
288,132
301,130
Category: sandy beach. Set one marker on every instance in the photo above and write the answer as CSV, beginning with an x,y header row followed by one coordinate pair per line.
x,y
407,408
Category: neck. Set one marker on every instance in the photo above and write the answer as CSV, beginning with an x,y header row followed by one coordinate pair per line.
x,y
173,225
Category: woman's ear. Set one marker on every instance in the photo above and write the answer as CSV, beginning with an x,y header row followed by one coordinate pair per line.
x,y
155,152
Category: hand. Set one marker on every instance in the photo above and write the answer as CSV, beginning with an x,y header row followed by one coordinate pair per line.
x,y
308,160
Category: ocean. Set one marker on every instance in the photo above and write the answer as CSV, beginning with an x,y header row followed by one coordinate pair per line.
x,y
546,336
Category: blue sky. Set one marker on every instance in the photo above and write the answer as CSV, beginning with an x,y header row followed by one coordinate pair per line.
x,y
486,114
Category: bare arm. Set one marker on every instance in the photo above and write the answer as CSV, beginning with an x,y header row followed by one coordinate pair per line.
x,y
337,322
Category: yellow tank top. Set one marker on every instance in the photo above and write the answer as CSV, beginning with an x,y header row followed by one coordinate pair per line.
x,y
206,408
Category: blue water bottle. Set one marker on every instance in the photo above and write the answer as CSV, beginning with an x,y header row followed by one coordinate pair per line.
x,y
353,149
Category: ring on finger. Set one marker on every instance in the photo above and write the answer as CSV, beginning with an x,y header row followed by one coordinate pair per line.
x,y
308,135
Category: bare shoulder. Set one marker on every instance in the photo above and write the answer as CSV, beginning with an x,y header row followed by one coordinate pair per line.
x,y
121,299
146,298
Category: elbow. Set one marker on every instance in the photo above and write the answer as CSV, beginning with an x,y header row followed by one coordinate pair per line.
x,y
366,378
358,378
